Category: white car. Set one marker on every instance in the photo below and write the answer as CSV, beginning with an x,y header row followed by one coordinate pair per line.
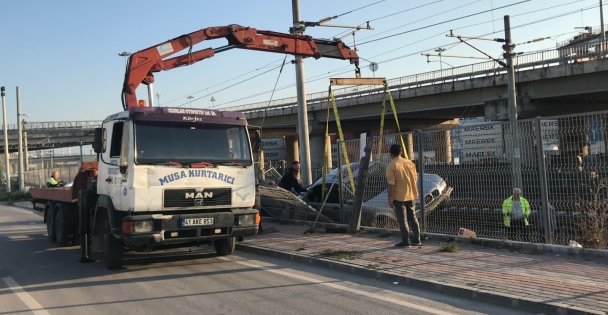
x,y
375,210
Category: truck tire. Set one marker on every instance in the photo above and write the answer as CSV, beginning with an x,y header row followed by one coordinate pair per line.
x,y
113,249
225,246
63,230
49,214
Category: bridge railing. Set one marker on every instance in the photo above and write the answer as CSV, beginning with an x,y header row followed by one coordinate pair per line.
x,y
545,58
83,124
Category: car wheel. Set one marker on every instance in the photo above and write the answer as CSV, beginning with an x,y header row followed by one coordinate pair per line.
x,y
63,230
113,249
225,246
50,221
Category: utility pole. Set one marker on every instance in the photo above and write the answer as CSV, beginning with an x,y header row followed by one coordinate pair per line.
x,y
305,171
512,107
439,51
7,165
26,153
20,139
602,26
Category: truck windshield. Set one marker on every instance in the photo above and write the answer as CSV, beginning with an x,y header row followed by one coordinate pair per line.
x,y
190,144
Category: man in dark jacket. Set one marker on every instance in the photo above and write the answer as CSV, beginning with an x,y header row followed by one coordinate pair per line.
x,y
290,179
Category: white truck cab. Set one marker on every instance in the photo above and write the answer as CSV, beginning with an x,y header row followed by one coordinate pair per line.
x,y
172,176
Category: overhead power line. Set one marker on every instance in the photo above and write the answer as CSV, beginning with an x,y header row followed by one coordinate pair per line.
x,y
443,22
335,71
357,9
389,15
225,81
459,6
276,61
233,85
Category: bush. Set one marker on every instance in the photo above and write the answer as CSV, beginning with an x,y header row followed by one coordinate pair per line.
x,y
593,221
449,247
15,196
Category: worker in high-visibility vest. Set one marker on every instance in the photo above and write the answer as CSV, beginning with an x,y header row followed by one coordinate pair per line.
x,y
54,181
516,213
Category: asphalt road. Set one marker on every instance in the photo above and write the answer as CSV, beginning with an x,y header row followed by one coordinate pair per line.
x,y
38,277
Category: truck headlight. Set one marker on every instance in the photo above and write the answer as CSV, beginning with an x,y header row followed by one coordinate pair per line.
x,y
131,227
248,219
142,226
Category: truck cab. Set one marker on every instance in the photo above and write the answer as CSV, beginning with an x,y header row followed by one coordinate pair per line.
x,y
172,176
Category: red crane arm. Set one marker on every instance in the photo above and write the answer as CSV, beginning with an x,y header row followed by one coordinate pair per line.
x,y
144,63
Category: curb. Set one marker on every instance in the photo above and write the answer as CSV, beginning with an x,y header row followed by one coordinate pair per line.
x,y
540,248
446,288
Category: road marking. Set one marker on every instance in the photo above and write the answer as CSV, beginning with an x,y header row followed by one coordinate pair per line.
x,y
340,287
25,297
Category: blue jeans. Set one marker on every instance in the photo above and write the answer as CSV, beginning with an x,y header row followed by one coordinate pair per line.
x,y
404,211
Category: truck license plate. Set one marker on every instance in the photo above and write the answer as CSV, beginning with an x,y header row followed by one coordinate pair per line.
x,y
197,221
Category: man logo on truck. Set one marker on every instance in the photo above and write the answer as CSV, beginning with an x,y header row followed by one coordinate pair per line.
x,y
199,195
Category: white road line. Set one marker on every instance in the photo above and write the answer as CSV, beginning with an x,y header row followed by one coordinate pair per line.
x,y
341,287
25,297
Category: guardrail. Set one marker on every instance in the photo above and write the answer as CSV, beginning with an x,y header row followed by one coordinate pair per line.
x,y
81,124
545,58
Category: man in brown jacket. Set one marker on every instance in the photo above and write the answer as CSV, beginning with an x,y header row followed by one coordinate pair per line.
x,y
402,194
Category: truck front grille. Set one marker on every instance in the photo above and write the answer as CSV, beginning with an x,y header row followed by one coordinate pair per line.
x,y
174,198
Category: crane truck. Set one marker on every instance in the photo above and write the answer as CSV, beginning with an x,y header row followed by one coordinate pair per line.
x,y
169,176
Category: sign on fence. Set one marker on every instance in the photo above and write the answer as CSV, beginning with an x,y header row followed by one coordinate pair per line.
x,y
477,140
274,149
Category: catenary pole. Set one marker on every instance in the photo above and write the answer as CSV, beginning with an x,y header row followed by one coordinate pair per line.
x,y
304,151
603,37
512,106
7,165
20,139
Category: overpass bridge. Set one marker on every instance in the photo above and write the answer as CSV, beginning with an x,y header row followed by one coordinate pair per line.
x,y
51,134
564,80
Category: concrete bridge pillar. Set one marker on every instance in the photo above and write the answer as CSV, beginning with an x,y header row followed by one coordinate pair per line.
x,y
410,146
443,151
292,148
317,154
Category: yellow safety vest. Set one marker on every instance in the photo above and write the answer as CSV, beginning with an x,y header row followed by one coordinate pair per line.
x,y
507,207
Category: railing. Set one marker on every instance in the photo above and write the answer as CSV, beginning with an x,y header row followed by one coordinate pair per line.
x,y
82,124
563,171
545,58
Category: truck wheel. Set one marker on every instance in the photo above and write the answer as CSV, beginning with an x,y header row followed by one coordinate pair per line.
x,y
225,246
50,222
63,230
113,250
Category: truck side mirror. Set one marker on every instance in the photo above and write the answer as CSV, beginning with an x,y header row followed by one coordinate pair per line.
x,y
123,168
98,140
257,141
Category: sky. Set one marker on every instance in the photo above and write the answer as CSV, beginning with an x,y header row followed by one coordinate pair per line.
x,y
63,55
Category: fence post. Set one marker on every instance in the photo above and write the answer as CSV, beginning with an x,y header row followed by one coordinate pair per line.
x,y
355,220
542,170
339,158
421,176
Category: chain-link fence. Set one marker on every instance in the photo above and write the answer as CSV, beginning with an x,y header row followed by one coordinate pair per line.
x,y
39,177
559,163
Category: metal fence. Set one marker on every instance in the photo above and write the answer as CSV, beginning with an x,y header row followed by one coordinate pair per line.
x,y
561,167
39,177
39,173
